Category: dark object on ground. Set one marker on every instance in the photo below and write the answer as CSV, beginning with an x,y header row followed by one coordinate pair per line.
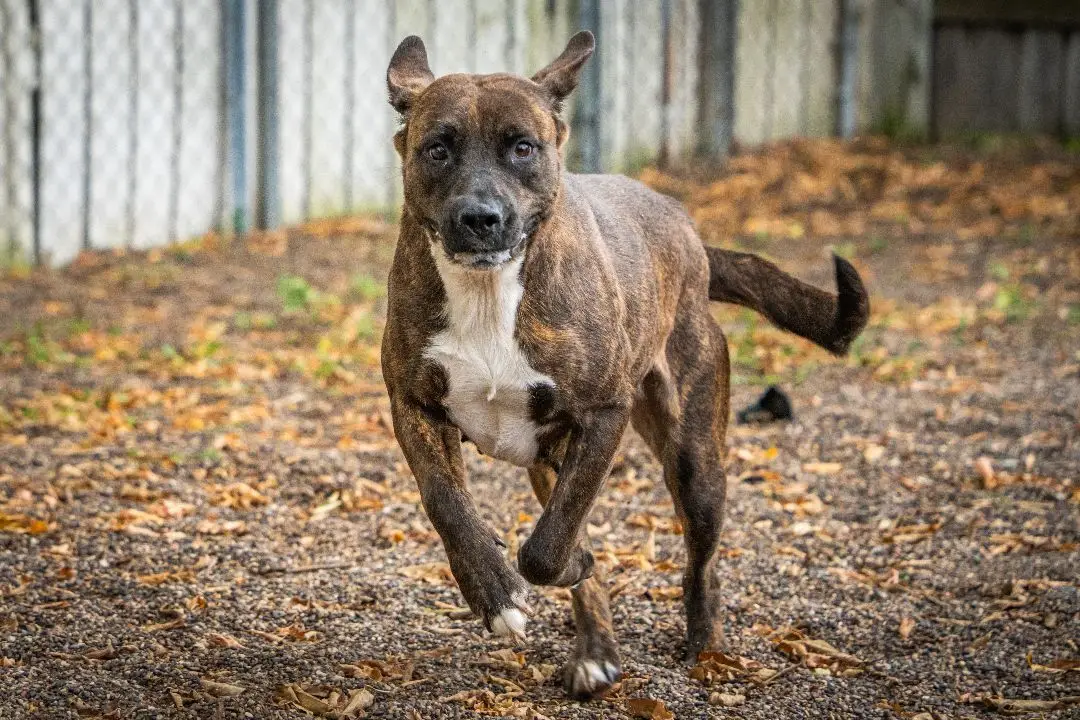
x,y
773,405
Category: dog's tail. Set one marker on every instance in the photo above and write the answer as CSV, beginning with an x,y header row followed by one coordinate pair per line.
x,y
831,321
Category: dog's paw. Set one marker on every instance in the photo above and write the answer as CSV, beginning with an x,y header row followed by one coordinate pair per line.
x,y
592,672
510,623
495,592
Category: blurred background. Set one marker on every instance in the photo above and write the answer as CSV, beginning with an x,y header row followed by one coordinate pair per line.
x,y
135,123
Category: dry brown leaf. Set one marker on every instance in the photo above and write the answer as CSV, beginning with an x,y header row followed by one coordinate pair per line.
x,y
648,708
298,633
359,700
916,532
727,699
1055,667
1010,706
167,625
364,669
169,576
22,524
295,694
814,654
238,495
665,592
717,667
433,573
223,640
220,689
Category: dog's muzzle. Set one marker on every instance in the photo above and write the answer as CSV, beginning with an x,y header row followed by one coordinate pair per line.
x,y
485,259
480,233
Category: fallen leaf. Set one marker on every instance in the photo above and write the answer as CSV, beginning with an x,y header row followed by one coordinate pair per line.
x,y
665,592
223,640
1010,706
22,524
167,625
433,573
1055,667
726,699
220,689
359,700
716,667
648,708
814,654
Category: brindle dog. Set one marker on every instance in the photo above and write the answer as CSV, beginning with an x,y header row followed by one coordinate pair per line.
x,y
537,313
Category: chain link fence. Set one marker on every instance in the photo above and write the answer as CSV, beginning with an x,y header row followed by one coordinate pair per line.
x,y
135,123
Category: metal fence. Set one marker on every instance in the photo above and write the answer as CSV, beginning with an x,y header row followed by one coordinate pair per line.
x,y
134,123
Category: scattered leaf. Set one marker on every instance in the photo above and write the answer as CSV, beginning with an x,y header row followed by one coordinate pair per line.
x,y
648,708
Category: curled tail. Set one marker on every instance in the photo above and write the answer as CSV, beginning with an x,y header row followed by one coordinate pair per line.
x,y
831,321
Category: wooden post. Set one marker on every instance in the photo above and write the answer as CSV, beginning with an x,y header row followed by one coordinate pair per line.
x,y
268,196
716,85
233,34
847,67
588,99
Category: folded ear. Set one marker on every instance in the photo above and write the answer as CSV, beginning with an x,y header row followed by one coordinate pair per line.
x,y
561,77
408,73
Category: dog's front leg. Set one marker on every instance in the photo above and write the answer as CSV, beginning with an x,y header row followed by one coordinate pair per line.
x,y
553,554
493,590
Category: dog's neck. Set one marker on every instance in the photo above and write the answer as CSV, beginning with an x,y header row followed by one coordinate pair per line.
x,y
480,303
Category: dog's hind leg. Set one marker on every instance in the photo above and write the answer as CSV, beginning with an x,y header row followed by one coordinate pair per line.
x,y
594,664
683,417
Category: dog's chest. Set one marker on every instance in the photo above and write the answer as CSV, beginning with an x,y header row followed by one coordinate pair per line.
x,y
490,381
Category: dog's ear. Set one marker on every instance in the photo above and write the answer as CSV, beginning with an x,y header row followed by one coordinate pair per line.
x,y
408,73
561,77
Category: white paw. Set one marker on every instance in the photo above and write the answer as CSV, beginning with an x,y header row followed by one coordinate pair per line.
x,y
510,621
590,677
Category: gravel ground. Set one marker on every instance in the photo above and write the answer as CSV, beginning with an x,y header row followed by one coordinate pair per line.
x,y
203,514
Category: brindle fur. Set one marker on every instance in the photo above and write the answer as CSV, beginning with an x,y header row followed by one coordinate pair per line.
x,y
615,311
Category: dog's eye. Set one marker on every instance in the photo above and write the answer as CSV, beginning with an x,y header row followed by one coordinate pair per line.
x,y
524,150
438,152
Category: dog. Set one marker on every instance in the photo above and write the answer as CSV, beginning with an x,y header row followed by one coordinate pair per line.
x,y
537,314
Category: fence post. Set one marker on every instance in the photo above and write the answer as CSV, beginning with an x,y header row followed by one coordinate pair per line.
x,y
268,195
716,84
36,40
847,67
588,99
233,35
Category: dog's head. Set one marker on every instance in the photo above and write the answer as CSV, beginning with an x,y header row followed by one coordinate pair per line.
x,y
481,154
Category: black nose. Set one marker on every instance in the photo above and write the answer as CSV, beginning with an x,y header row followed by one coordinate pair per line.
x,y
481,218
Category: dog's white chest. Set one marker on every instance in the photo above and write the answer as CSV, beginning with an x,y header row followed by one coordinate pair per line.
x,y
490,379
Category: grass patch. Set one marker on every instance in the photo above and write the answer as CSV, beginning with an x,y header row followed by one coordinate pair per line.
x,y
365,288
295,293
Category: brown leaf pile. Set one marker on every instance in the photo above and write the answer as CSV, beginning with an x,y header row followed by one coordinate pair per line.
x,y
717,667
833,188
325,701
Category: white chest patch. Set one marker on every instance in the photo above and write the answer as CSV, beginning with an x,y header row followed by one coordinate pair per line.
x,y
489,376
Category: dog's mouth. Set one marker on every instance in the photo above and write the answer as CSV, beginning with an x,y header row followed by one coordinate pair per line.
x,y
482,260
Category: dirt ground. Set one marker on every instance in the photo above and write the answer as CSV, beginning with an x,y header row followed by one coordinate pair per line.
x,y
203,513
